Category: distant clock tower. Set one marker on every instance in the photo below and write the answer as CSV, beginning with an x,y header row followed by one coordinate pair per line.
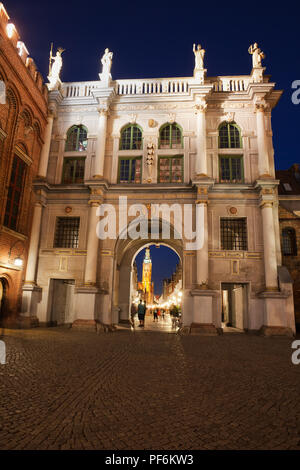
x,y
147,275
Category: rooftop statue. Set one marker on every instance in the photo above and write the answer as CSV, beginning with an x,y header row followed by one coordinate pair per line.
x,y
199,57
106,62
55,68
257,55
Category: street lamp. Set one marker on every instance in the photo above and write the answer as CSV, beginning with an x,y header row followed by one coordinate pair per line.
x,y
18,261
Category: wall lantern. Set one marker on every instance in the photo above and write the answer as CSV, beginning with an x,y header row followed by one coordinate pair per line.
x,y
17,260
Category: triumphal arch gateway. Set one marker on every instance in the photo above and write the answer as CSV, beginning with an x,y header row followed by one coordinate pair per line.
x,y
193,155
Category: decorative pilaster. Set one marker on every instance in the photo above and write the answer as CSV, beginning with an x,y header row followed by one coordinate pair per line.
x,y
90,274
101,142
263,156
201,157
270,258
55,98
30,277
44,158
104,96
202,234
203,299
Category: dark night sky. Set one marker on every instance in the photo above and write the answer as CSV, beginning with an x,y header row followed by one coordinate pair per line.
x,y
155,38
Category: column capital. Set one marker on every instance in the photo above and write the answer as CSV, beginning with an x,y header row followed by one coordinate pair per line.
x,y
94,202
103,110
261,105
200,106
51,114
96,196
202,195
266,204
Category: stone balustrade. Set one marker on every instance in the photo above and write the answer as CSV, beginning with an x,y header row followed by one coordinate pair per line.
x,y
179,86
236,83
150,87
80,89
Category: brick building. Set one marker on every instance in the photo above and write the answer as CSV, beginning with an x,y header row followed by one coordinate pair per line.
x,y
23,117
289,220
174,284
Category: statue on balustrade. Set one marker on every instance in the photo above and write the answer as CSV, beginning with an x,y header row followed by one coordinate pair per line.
x,y
199,57
106,62
55,68
257,55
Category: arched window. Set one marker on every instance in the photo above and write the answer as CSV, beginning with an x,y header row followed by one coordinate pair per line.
x,y
131,137
170,136
289,242
229,136
76,139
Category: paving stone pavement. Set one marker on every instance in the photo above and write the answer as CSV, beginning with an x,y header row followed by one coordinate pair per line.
x,y
68,389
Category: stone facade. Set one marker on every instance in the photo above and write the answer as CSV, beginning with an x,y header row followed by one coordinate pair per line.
x,y
23,117
202,143
289,221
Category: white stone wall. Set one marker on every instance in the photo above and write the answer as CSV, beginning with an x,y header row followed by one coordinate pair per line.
x,y
150,104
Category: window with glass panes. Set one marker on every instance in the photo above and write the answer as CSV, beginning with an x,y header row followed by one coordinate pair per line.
x,y
229,136
130,170
76,139
170,169
73,170
66,232
289,243
14,194
231,169
170,136
131,138
234,234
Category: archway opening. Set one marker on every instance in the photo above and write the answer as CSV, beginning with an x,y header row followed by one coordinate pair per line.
x,y
156,281
154,278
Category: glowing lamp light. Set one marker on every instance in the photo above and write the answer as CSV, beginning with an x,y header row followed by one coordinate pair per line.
x,y
18,262
10,29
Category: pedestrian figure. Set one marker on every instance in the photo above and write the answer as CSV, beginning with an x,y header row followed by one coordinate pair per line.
x,y
155,317
133,311
141,313
174,315
163,314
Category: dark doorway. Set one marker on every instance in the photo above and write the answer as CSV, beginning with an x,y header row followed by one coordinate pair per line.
x,y
234,305
3,298
62,301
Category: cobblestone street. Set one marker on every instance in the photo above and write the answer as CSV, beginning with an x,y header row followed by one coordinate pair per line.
x,y
68,389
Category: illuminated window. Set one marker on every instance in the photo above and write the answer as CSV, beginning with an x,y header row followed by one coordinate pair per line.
x,y
130,170
67,232
229,136
14,194
131,138
170,136
76,139
170,169
231,169
234,234
73,171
